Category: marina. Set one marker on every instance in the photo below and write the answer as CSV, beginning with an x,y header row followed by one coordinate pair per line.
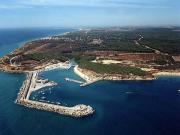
x,y
32,84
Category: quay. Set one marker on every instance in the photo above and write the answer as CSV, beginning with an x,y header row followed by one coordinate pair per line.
x,y
82,84
88,83
26,89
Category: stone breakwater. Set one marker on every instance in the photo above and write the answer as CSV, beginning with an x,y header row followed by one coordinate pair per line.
x,y
75,111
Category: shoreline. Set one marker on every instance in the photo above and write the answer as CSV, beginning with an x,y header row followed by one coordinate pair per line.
x,y
94,77
81,110
89,80
52,66
166,73
41,68
41,37
22,43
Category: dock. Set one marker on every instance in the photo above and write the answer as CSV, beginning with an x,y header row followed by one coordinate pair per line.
x,y
73,80
88,83
82,84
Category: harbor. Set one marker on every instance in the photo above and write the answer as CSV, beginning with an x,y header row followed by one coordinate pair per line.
x,y
33,83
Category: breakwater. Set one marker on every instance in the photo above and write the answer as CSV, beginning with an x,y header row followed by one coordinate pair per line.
x,y
23,99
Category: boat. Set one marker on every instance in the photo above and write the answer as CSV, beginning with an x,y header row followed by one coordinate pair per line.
x,y
58,103
43,97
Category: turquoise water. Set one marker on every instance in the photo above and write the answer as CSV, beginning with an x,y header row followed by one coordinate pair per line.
x,y
122,107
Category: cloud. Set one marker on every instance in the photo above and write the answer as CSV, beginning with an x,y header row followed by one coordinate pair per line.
x,y
61,2
6,6
98,3
86,3
47,3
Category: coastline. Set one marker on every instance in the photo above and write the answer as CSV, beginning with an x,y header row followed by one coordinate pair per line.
x,y
22,43
31,84
91,77
121,107
41,37
41,68
166,73
52,66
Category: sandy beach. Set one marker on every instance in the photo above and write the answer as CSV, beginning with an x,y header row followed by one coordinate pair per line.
x,y
52,66
91,77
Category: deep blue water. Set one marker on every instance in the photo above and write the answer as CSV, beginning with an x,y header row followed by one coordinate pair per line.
x,y
122,108
11,39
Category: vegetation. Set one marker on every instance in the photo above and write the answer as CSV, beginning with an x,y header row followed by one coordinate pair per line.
x,y
160,62
164,39
110,69
47,56
166,46
80,58
126,46
84,46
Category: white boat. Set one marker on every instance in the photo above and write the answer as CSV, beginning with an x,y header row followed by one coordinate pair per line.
x,y
43,98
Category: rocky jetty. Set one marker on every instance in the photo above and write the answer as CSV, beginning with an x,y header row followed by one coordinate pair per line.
x,y
23,99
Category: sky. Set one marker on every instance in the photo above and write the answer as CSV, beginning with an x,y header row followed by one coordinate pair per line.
x,y
88,13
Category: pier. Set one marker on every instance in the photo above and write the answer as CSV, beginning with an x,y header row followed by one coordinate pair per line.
x,y
24,94
88,83
73,80
82,84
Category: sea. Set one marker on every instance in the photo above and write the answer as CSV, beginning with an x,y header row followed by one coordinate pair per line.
x,y
121,107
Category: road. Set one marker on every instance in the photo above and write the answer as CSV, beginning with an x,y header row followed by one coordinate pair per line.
x,y
146,46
